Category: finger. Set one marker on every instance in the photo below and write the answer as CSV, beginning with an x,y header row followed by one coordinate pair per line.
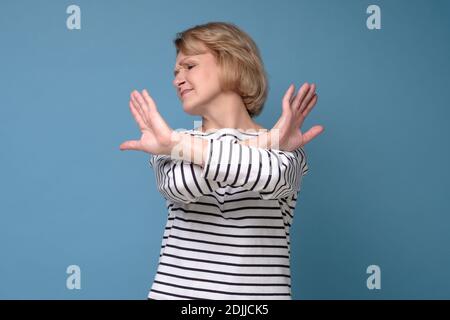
x,y
310,106
140,103
158,122
131,145
143,106
142,125
151,104
136,105
149,107
312,133
286,102
309,96
293,96
286,106
300,96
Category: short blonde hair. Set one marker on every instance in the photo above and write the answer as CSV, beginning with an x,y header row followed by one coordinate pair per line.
x,y
237,55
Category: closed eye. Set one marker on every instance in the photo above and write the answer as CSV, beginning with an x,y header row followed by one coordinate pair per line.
x,y
189,67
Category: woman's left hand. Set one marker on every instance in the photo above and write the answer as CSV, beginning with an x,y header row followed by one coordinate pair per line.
x,y
286,134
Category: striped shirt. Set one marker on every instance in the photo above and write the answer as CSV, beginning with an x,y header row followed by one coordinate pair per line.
x,y
227,232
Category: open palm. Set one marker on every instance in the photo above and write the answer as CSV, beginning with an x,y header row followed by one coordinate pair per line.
x,y
295,110
156,135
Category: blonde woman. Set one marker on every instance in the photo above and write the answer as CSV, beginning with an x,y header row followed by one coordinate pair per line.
x,y
230,185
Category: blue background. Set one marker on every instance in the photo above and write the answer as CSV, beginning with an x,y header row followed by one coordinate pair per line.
x,y
378,187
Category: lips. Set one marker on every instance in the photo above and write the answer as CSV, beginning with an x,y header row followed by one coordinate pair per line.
x,y
185,91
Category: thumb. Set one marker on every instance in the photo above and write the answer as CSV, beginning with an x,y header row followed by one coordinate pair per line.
x,y
131,145
312,133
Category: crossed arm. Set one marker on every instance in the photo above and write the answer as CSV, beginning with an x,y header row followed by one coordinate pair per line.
x,y
271,174
159,139
270,164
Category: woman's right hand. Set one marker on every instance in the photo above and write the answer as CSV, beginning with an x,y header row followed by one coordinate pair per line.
x,y
157,137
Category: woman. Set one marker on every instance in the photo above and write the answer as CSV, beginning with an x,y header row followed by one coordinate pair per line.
x,y
231,186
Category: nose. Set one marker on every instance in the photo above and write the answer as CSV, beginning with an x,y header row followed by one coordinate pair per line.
x,y
178,80
178,83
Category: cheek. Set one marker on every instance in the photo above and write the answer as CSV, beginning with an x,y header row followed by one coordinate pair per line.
x,y
211,81
204,81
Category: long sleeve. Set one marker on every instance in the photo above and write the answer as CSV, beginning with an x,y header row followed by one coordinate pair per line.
x,y
273,174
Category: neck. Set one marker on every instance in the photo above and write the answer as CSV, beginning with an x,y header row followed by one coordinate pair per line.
x,y
228,112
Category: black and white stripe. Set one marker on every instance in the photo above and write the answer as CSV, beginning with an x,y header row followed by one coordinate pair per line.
x,y
227,233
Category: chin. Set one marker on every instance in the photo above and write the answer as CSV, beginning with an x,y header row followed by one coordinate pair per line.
x,y
192,108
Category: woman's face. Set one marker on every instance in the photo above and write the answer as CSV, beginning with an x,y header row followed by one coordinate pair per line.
x,y
196,81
